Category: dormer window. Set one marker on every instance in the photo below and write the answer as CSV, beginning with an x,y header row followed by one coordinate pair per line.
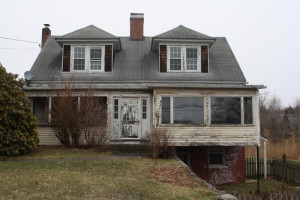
x,y
184,58
87,58
79,58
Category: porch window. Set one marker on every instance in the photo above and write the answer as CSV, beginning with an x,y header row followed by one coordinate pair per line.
x,y
188,110
248,115
226,110
166,111
229,110
182,110
216,156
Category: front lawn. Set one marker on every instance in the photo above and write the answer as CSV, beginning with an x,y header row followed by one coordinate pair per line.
x,y
126,178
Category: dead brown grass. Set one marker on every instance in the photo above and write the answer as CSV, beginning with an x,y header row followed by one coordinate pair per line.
x,y
177,175
290,147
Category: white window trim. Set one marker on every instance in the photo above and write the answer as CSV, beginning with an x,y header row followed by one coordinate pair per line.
x,y
242,110
102,58
216,165
172,110
183,57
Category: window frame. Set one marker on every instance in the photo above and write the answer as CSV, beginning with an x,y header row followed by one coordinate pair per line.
x,y
184,56
172,110
242,110
87,68
102,58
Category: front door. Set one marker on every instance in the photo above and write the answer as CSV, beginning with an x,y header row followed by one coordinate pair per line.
x,y
130,118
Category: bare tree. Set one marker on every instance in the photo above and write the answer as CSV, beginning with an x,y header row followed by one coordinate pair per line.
x,y
74,118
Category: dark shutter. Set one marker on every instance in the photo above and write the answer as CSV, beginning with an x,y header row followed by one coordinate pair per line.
x,y
108,58
67,57
204,59
163,58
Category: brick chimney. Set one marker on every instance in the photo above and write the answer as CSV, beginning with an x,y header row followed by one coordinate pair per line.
x,y
136,26
46,32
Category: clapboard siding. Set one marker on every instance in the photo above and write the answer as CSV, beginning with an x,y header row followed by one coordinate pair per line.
x,y
185,135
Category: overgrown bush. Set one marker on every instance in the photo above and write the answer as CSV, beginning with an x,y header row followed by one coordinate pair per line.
x,y
73,120
18,134
160,141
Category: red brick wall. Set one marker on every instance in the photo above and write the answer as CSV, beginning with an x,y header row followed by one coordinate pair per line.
x,y
232,171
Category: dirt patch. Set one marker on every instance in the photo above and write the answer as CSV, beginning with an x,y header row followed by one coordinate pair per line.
x,y
178,175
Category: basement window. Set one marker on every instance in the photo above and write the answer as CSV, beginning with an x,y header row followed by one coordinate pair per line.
x,y
216,156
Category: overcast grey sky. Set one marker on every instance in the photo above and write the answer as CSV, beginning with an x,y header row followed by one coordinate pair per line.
x,y
263,34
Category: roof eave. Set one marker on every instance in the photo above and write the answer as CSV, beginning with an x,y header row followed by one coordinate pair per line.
x,y
115,41
156,41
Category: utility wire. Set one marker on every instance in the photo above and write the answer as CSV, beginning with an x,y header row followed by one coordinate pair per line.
x,y
17,49
19,40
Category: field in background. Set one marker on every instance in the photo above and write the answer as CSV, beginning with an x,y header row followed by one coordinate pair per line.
x,y
290,147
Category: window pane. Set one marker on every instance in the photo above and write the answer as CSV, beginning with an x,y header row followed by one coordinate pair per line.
x,y
175,64
216,155
95,53
191,58
96,65
79,64
216,159
116,109
226,110
165,110
79,52
175,58
144,109
248,117
188,110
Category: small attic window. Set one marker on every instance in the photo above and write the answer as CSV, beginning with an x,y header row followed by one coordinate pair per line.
x,y
183,58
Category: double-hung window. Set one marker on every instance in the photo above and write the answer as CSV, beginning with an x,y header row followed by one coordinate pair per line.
x,y
79,58
95,57
183,58
192,58
175,58
88,58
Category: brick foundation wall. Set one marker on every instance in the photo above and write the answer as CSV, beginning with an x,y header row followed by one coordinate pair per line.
x,y
232,171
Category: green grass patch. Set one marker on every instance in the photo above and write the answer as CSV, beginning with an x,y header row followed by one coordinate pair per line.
x,y
58,152
101,179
